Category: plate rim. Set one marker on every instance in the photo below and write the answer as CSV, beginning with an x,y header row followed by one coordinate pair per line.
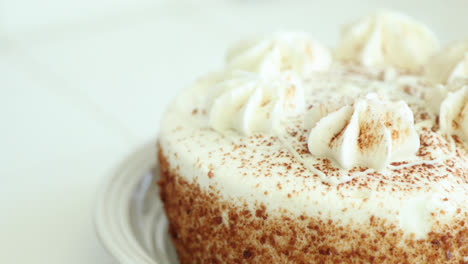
x,y
105,187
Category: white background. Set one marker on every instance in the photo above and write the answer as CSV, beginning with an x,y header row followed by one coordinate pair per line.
x,y
84,83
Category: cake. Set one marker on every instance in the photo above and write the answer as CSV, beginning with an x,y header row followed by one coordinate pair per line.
x,y
296,153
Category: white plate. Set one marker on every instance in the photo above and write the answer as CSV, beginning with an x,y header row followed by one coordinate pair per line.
x,y
129,216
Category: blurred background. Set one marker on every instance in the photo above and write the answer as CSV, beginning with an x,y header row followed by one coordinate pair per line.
x,y
84,83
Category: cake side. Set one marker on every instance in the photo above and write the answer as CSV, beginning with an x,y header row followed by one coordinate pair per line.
x,y
207,227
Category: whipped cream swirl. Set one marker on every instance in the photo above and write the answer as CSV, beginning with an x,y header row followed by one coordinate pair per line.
x,y
249,103
450,64
371,133
453,116
387,39
287,51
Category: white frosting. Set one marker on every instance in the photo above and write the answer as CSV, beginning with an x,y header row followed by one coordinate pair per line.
x,y
371,133
454,113
449,64
439,92
435,97
387,39
414,215
286,51
250,103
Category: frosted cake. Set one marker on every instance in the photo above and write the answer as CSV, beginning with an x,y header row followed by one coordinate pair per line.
x,y
297,153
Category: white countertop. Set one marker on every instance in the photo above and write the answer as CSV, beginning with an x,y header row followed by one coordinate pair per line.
x,y
83,83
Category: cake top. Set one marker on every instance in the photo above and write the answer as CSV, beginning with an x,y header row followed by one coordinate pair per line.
x,y
367,121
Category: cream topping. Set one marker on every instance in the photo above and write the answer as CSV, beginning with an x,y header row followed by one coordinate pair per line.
x,y
371,133
284,51
454,113
387,39
250,103
449,64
